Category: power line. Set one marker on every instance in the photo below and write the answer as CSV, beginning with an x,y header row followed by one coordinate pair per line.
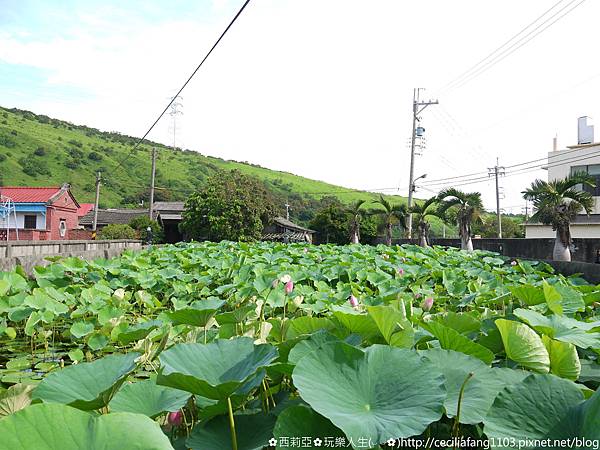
x,y
140,140
515,46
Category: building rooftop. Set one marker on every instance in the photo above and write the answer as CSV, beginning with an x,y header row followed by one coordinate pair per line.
x,y
291,225
108,216
25,194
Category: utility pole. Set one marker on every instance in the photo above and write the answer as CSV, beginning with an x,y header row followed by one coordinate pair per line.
x,y
95,222
287,211
418,107
151,206
497,171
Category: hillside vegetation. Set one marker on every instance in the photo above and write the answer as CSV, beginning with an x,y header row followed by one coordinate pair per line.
x,y
37,150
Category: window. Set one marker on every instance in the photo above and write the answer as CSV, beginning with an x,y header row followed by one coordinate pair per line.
x,y
30,222
62,228
593,171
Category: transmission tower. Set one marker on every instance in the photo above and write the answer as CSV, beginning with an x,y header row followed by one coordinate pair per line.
x,y
175,111
7,207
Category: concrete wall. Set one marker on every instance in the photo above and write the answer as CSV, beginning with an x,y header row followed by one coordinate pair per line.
x,y
33,253
578,230
585,249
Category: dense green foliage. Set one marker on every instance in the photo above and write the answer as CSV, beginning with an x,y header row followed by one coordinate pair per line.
x,y
117,231
262,341
141,223
230,206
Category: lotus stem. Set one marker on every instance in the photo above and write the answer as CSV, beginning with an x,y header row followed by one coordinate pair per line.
x,y
456,426
205,334
232,425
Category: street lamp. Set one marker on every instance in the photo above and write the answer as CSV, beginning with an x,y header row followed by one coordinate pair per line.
x,y
414,188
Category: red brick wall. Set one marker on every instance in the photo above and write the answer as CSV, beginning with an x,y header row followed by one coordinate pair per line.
x,y
79,235
63,208
25,235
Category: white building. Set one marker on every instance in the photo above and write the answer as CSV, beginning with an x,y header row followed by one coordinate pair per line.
x,y
583,157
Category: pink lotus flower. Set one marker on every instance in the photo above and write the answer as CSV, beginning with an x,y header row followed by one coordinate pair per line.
x,y
305,250
175,418
400,271
513,263
427,304
418,296
353,301
289,287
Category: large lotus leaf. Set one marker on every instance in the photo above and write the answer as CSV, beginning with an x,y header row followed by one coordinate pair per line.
x,y
530,295
86,385
378,394
564,360
302,423
15,398
306,346
356,322
452,340
307,325
523,345
562,328
563,299
138,331
214,370
590,371
393,326
530,410
60,427
464,323
148,398
198,314
80,329
581,422
480,390
252,432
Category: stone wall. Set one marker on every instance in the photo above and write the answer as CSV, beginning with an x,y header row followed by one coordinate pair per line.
x,y
34,253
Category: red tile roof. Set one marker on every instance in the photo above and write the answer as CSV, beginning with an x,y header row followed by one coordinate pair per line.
x,y
23,194
84,208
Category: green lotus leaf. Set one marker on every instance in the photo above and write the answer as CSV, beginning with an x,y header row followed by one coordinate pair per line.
x,y
452,340
148,398
302,422
253,432
307,325
15,398
530,295
214,370
464,323
198,314
314,342
393,326
80,329
355,321
377,394
523,345
60,427
86,385
562,299
529,410
138,331
480,390
564,361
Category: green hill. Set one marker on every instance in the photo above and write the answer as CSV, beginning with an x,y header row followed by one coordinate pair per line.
x,y
37,150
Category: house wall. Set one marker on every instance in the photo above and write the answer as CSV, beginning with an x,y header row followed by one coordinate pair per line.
x,y
63,208
583,231
40,220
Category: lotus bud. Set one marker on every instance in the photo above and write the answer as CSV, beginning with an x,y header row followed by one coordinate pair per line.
x,y
513,263
289,287
285,278
175,418
427,304
400,271
305,250
384,256
353,301
418,296
403,259
275,283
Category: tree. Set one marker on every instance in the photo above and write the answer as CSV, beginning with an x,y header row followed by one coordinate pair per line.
x,y
230,206
331,224
391,214
428,208
117,231
487,227
141,223
557,203
357,214
467,208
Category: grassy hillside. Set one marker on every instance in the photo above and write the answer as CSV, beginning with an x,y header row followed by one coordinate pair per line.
x,y
37,150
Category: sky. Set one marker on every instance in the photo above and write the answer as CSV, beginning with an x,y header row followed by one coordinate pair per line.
x,y
319,88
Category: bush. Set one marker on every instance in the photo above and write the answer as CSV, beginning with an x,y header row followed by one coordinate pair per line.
x,y
33,167
117,231
39,151
95,156
72,164
74,142
7,142
2,157
140,225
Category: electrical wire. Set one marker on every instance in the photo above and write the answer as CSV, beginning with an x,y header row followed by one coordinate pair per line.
x,y
140,140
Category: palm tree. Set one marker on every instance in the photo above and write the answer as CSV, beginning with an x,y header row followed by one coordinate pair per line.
x,y
391,213
557,203
428,208
468,207
356,216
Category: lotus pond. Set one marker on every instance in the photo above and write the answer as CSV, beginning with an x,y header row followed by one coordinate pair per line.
x,y
255,346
